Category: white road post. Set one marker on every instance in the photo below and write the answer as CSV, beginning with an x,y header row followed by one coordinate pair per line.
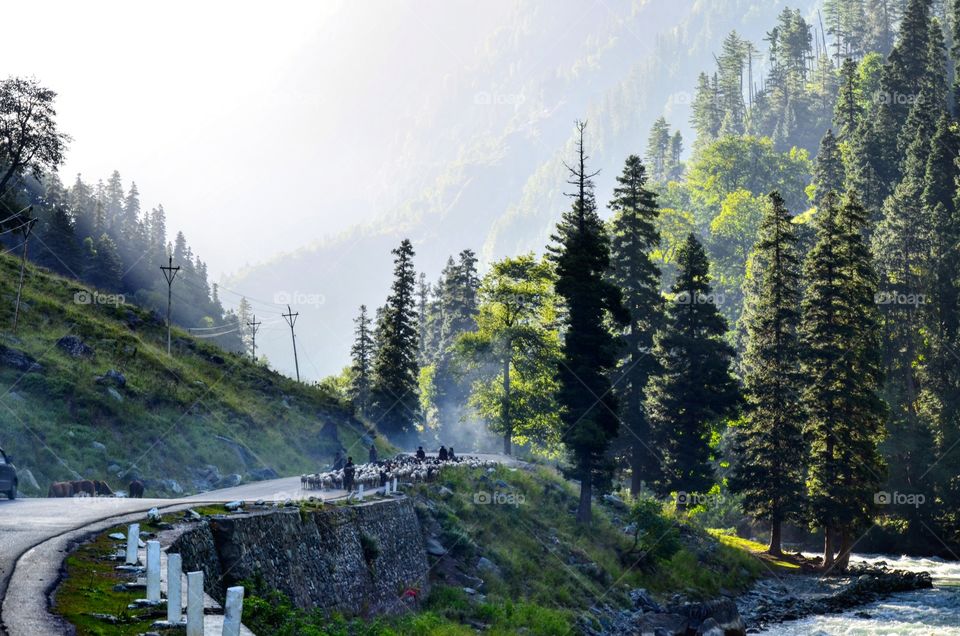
x,y
360,492
232,611
174,592
394,484
195,604
153,571
133,543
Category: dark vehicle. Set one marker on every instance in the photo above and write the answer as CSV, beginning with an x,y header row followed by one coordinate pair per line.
x,y
8,476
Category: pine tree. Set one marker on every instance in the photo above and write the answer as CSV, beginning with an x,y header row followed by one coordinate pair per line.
x,y
841,366
694,392
705,114
658,150
394,391
361,355
849,111
940,373
581,255
828,175
634,235
106,268
769,448
244,315
674,168
58,248
730,67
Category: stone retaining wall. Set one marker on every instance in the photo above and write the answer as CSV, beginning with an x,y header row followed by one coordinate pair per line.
x,y
355,559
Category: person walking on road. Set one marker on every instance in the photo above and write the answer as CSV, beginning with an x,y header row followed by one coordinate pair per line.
x,y
349,470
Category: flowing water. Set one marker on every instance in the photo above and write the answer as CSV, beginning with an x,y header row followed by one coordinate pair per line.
x,y
934,612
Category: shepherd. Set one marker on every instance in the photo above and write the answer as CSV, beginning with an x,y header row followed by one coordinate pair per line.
x,y
442,455
348,471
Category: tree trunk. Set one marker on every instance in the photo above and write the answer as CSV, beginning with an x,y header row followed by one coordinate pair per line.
x,y
827,549
846,546
505,409
584,510
776,545
636,478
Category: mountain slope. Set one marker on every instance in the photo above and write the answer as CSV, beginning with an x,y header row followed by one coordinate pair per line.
x,y
510,118
87,390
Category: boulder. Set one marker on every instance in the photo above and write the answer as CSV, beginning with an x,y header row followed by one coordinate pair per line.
x,y
230,481
74,347
112,378
18,360
486,565
27,479
261,474
434,548
98,446
615,502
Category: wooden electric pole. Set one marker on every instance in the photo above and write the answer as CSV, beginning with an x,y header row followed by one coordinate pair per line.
x,y
169,273
291,319
254,326
26,229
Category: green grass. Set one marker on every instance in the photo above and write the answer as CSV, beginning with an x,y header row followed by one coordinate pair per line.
x,y
88,588
172,408
753,547
551,569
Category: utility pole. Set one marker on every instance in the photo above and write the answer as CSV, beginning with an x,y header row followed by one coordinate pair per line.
x,y
291,319
254,326
26,228
169,273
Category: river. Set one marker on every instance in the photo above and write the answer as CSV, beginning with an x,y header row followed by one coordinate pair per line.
x,y
933,612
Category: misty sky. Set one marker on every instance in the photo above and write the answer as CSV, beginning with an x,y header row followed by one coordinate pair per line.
x,y
260,127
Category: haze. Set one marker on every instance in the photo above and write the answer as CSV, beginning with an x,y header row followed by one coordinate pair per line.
x,y
252,126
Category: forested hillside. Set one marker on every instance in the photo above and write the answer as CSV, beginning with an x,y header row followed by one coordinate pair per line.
x,y
783,303
487,156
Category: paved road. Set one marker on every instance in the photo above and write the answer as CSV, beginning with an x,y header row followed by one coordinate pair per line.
x,y
35,533
30,528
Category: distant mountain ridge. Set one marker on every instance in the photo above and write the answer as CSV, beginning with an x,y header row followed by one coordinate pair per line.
x,y
502,137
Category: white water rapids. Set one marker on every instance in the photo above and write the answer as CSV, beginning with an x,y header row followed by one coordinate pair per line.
x,y
934,612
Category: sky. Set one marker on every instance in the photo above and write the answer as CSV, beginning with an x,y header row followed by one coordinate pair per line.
x,y
255,125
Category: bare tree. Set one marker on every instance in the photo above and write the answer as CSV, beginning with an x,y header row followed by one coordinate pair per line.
x,y
29,139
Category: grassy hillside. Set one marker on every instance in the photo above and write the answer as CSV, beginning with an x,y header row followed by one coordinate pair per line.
x,y
196,417
517,562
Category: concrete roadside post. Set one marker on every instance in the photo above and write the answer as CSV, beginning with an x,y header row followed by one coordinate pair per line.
x,y
153,572
233,611
174,592
195,604
133,543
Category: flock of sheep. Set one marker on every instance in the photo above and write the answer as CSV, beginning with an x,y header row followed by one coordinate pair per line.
x,y
403,468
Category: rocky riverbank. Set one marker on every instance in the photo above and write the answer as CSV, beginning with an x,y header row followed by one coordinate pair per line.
x,y
770,601
789,598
